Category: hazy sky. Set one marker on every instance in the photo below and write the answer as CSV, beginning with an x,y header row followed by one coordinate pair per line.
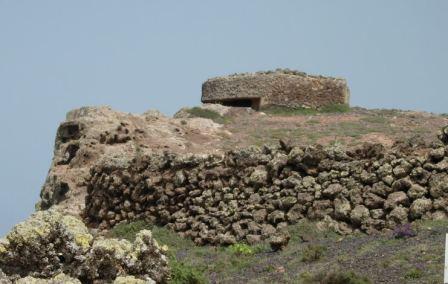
x,y
138,55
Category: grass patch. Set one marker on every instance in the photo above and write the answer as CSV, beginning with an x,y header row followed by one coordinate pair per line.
x,y
333,277
289,111
128,231
313,122
182,273
376,119
335,108
414,273
207,113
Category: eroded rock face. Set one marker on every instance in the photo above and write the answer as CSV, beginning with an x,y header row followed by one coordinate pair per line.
x,y
51,248
251,194
90,134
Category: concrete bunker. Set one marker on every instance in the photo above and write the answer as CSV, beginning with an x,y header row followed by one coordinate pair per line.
x,y
242,102
276,88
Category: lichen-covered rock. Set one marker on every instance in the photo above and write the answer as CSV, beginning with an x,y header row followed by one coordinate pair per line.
x,y
4,278
443,135
399,215
279,241
51,247
416,191
132,280
419,207
110,258
46,244
359,214
439,185
58,279
396,198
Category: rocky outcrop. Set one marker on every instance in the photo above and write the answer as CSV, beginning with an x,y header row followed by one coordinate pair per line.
x,y
251,194
51,248
280,87
90,134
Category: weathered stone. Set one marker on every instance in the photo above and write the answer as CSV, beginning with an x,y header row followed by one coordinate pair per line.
x,y
132,280
58,279
226,239
359,214
295,213
419,207
253,239
267,230
287,202
259,177
417,191
276,217
436,155
373,201
377,213
443,135
332,190
438,184
279,241
403,169
260,215
398,215
49,242
396,198
342,208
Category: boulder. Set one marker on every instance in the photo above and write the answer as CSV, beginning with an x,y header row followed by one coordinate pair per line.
x,y
399,215
49,243
342,208
417,191
359,215
419,207
396,198
443,135
438,185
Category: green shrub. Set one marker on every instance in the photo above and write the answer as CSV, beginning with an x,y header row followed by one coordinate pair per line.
x,y
335,108
414,273
241,249
185,274
206,113
334,277
313,253
128,231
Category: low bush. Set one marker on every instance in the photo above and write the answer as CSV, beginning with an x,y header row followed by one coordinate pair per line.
x,y
414,273
241,249
185,274
313,253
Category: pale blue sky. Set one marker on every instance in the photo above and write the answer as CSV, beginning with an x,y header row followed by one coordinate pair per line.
x,y
136,55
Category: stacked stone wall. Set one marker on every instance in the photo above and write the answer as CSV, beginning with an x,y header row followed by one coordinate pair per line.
x,y
251,194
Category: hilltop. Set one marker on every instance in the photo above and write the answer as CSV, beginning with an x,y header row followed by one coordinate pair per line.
x,y
179,176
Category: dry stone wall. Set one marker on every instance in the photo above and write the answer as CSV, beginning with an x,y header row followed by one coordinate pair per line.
x,y
252,194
